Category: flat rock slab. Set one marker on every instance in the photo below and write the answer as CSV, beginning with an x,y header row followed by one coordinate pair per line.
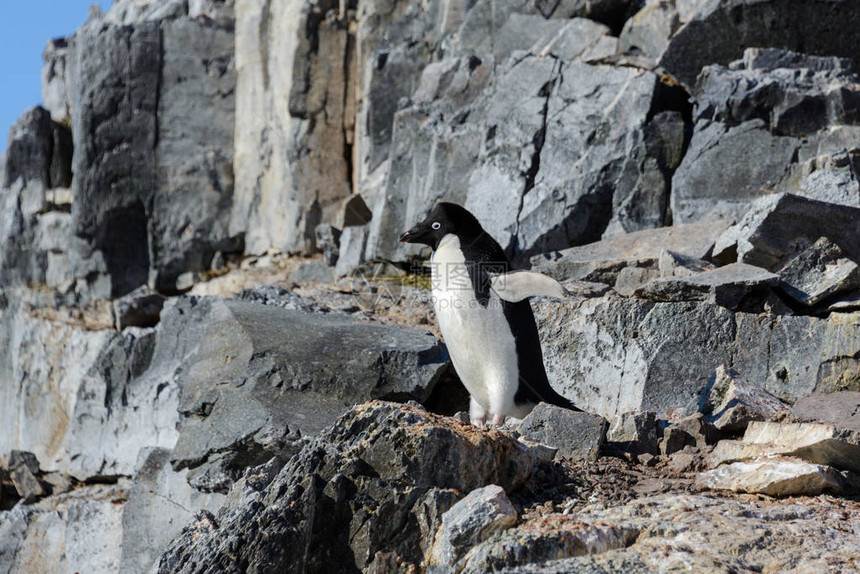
x,y
264,375
816,443
574,434
841,409
725,286
587,261
774,477
779,227
818,272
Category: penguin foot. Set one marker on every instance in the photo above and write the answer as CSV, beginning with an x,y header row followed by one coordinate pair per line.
x,y
478,421
498,420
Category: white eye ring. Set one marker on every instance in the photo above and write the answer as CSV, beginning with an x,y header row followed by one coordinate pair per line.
x,y
436,225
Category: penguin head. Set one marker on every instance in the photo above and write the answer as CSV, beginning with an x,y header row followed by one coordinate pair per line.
x,y
446,218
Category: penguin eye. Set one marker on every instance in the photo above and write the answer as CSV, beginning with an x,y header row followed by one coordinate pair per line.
x,y
436,225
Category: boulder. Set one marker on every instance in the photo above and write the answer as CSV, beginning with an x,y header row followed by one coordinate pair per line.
x,y
575,434
818,272
482,513
779,476
721,31
634,432
726,286
289,373
731,402
354,492
779,227
140,308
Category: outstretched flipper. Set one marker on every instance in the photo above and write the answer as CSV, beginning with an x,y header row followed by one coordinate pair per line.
x,y
518,285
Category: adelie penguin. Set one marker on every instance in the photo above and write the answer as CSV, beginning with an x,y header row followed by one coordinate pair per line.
x,y
485,317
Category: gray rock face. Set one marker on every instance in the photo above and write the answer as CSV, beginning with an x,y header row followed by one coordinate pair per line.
x,y
574,434
635,433
818,272
135,210
754,120
355,491
721,31
289,373
612,356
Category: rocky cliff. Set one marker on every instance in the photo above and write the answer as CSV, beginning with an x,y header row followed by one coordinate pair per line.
x,y
201,288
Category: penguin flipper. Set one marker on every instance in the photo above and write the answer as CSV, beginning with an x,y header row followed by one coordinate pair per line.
x,y
518,285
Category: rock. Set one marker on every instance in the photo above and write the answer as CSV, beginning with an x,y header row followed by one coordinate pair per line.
x,y
355,491
352,211
119,102
353,242
190,212
55,80
838,409
605,258
649,30
774,476
726,286
160,503
289,373
817,443
631,280
721,31
819,272
796,94
575,434
295,120
140,308
328,241
726,168
545,539
79,531
692,430
482,513
312,272
779,227
24,471
636,432
672,264
831,175
731,402
579,38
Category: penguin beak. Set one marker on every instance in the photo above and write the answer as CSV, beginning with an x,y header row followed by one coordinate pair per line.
x,y
411,235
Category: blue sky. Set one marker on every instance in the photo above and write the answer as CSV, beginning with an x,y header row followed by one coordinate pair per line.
x,y
25,28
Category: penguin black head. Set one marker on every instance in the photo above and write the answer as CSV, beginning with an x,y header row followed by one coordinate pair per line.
x,y
446,218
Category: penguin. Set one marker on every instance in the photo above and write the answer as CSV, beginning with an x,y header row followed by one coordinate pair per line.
x,y
485,317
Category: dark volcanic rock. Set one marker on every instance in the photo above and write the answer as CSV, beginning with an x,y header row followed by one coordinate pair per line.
x,y
265,376
357,490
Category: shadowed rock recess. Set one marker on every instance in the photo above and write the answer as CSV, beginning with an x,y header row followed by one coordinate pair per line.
x,y
215,356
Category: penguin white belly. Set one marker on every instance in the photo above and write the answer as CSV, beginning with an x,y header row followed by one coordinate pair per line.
x,y
479,338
